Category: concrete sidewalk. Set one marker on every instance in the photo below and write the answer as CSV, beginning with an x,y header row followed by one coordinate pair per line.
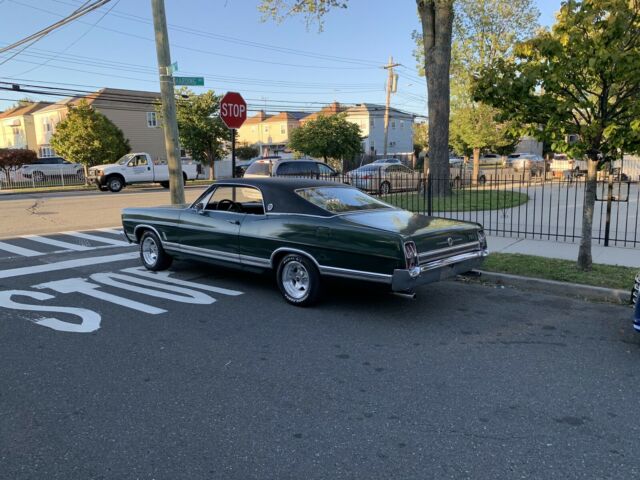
x,y
628,257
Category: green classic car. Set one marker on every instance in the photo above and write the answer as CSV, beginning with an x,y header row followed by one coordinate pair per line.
x,y
306,231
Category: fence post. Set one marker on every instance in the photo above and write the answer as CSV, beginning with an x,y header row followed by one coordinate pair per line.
x,y
61,177
607,225
429,195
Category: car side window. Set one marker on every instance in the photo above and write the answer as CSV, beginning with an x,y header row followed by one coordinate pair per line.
x,y
325,169
236,199
286,168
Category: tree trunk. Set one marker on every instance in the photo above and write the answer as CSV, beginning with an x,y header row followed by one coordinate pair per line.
x,y
436,17
584,254
212,173
476,166
86,173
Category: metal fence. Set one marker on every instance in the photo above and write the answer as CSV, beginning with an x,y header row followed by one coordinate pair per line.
x,y
51,177
519,206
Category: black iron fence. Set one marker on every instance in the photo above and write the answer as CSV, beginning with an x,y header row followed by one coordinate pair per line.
x,y
519,206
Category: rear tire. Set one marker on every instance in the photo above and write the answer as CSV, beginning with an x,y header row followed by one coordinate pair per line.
x,y
152,254
164,184
482,180
38,177
298,280
385,188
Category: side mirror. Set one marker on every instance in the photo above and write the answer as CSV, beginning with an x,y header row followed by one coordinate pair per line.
x,y
199,208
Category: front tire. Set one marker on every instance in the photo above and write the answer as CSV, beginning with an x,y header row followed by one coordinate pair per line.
x,y
115,184
385,188
152,254
298,280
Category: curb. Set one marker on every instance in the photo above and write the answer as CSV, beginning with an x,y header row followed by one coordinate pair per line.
x,y
553,287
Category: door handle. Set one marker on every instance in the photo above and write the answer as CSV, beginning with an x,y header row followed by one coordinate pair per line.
x,y
234,222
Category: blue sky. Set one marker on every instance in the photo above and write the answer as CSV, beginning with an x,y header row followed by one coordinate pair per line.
x,y
271,64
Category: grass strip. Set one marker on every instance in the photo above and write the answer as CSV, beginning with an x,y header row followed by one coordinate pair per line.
x,y
608,276
458,201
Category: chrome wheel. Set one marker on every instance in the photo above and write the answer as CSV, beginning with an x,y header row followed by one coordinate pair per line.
x,y
149,251
295,280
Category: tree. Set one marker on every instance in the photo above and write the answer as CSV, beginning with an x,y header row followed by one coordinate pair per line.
x,y
483,31
328,137
88,137
436,17
580,78
13,158
200,129
247,152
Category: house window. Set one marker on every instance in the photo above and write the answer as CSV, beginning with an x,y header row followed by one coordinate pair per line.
x,y
373,122
266,129
152,120
401,124
393,124
46,126
47,152
15,130
283,129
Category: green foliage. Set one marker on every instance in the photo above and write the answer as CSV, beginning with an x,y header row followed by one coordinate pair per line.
x,y
421,135
474,126
327,137
247,152
200,129
313,10
88,137
13,158
580,78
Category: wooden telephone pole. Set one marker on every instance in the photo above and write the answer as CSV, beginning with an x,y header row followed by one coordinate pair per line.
x,y
391,81
169,119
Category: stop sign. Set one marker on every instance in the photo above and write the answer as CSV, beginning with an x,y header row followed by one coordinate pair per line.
x,y
233,110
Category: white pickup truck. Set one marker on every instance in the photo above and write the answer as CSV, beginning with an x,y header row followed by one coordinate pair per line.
x,y
136,168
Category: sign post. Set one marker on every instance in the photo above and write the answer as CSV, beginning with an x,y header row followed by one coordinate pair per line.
x,y
233,112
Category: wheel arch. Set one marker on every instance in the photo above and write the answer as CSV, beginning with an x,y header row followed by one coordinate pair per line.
x,y
279,253
139,230
115,174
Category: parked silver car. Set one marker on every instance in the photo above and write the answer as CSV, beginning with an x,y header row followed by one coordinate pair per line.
x,y
303,167
384,178
525,161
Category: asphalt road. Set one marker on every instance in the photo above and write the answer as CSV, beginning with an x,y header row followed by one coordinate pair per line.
x,y
219,378
37,213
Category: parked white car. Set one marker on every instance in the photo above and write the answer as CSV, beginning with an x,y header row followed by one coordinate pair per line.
x,y
136,168
51,167
526,161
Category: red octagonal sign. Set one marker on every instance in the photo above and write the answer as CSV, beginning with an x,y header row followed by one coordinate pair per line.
x,y
233,110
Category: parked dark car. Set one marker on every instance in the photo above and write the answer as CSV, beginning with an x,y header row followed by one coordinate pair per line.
x,y
307,168
306,230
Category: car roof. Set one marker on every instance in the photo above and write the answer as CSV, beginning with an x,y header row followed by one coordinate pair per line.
x,y
281,193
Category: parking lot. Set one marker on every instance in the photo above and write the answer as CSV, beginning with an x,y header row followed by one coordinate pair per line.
x,y
114,372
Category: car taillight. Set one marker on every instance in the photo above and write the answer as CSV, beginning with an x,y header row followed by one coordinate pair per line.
x,y
411,255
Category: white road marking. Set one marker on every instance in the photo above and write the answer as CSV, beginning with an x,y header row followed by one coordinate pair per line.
x,y
112,231
95,238
164,277
57,243
24,252
67,264
80,285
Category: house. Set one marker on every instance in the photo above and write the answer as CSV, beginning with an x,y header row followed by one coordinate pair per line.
x,y
269,132
17,125
132,111
370,118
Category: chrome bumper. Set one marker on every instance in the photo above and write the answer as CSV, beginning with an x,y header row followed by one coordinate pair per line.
x,y
406,280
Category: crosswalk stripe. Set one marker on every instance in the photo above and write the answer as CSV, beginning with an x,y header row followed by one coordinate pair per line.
x,y
25,252
58,243
96,238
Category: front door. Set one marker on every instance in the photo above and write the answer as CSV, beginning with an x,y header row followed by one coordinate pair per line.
x,y
213,230
139,170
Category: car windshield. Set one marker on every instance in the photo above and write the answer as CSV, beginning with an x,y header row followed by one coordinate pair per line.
x,y
260,168
369,168
124,159
341,199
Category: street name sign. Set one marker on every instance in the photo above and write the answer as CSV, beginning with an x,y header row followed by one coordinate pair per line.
x,y
189,81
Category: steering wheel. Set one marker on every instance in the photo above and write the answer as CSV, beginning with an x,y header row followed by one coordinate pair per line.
x,y
231,206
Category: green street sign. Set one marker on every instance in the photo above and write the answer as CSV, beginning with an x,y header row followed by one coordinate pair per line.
x,y
189,81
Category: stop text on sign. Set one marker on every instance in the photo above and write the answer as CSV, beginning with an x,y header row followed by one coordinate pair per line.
x,y
233,110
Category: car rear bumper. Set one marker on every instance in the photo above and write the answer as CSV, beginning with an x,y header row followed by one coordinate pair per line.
x,y
404,280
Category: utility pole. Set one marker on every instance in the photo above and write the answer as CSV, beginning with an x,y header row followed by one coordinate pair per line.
x,y
169,120
390,86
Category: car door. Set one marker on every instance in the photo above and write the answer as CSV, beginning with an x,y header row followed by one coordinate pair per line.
x,y
139,170
212,230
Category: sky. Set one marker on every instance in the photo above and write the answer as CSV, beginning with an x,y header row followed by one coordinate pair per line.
x,y
285,65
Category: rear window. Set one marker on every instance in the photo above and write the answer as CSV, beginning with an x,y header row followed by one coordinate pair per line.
x,y
297,167
341,199
259,168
